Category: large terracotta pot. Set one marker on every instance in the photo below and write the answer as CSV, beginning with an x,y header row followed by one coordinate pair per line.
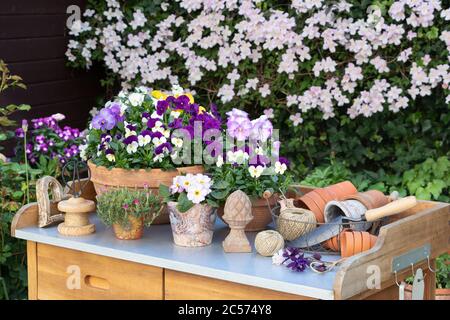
x,y
193,228
104,179
133,230
261,213
440,294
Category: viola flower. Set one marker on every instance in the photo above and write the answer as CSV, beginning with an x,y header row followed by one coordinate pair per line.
x,y
110,155
19,133
104,120
161,107
280,168
255,172
144,138
261,129
239,128
164,147
132,144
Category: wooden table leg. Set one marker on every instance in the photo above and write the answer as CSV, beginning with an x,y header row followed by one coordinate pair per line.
x,y
32,270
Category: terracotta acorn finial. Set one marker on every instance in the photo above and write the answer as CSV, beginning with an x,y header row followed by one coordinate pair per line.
x,y
237,213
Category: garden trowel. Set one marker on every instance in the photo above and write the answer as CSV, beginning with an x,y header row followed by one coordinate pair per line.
x,y
335,226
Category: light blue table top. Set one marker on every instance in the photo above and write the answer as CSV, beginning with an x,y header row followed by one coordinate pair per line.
x,y
156,248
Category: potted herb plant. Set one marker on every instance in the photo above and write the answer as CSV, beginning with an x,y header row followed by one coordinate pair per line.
x,y
130,141
248,167
128,211
192,211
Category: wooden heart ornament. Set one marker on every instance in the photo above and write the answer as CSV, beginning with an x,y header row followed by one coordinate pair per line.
x,y
48,209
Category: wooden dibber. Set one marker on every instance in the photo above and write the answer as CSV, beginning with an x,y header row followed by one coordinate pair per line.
x,y
77,217
237,213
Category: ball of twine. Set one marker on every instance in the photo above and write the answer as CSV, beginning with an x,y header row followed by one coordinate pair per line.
x,y
295,222
268,242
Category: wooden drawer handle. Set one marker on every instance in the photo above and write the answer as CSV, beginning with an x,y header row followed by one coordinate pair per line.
x,y
96,282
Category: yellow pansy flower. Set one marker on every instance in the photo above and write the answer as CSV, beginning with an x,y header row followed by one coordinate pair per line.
x,y
157,94
201,110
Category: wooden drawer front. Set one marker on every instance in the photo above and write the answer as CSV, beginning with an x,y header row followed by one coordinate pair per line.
x,y
184,286
100,277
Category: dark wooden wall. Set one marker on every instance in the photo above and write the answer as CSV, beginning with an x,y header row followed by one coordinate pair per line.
x,y
33,40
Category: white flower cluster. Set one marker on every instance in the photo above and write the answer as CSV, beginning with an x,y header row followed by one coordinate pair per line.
x,y
338,49
196,186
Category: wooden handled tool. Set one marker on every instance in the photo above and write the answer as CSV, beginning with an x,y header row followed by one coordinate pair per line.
x,y
389,209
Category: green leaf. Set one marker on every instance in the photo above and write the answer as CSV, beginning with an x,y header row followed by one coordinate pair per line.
x,y
164,191
184,204
219,195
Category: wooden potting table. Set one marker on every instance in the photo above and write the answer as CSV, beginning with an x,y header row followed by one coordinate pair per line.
x,y
99,266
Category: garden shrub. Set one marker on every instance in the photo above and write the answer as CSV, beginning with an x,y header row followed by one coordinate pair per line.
x,y
363,81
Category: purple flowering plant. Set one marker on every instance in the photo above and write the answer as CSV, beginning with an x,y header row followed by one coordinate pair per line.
x,y
296,259
251,160
47,141
140,129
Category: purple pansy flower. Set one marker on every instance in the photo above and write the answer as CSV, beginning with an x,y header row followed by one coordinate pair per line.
x,y
104,120
161,107
130,140
160,149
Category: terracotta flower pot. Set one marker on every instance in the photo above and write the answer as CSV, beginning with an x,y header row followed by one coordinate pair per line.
x,y
104,179
354,242
440,294
370,199
133,230
261,213
342,189
317,199
193,228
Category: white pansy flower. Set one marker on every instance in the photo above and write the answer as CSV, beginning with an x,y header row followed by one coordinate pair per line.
x,y
144,140
158,141
280,168
111,157
132,147
177,142
241,156
175,114
158,158
82,149
219,162
136,99
231,158
155,115
255,172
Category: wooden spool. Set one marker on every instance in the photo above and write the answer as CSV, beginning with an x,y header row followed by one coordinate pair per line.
x,y
77,217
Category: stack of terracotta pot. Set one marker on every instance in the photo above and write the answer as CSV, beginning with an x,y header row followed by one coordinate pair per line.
x,y
348,242
318,198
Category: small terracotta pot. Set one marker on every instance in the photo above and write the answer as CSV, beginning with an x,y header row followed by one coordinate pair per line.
x,y
104,179
261,213
442,294
370,199
193,228
342,189
317,199
307,202
132,231
355,242
334,243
